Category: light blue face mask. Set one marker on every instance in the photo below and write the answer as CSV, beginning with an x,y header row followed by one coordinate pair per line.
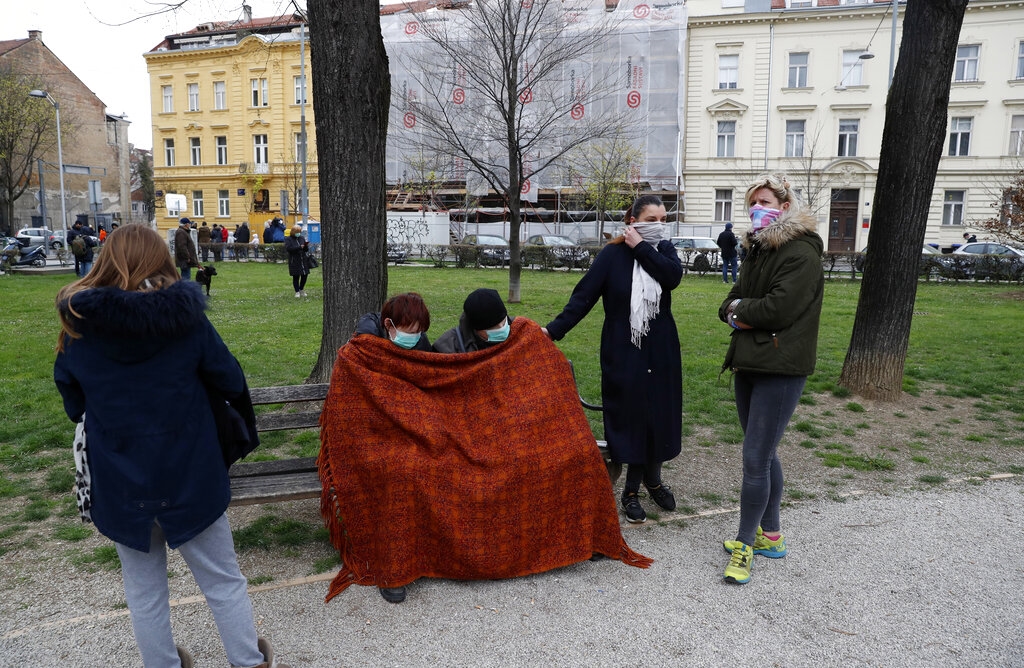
x,y
500,334
405,339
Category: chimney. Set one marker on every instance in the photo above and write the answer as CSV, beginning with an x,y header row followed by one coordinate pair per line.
x,y
36,35
248,12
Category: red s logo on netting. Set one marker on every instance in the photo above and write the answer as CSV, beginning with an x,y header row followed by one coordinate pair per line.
x,y
526,97
633,99
641,11
527,4
525,188
458,96
409,120
412,27
576,112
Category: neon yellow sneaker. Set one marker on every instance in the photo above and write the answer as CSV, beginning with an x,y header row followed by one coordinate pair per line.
x,y
738,570
773,549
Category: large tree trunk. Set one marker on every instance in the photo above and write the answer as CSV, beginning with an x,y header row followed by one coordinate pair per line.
x,y
351,94
912,142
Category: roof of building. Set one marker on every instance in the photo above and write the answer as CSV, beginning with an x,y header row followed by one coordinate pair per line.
x,y
207,33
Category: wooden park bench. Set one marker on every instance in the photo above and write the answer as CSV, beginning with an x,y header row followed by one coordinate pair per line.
x,y
297,478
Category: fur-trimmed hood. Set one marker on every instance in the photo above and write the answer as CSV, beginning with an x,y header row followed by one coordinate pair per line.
x,y
133,325
791,225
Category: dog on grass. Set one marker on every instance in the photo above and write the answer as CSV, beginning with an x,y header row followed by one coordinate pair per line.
x,y
204,276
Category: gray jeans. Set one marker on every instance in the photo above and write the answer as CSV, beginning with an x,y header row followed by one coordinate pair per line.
x,y
211,558
764,403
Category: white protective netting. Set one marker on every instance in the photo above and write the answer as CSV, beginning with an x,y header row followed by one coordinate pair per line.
x,y
635,73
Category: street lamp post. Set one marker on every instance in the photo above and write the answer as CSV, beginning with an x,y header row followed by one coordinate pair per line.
x,y
60,162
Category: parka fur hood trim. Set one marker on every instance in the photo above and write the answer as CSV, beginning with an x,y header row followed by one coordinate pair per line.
x,y
789,226
111,312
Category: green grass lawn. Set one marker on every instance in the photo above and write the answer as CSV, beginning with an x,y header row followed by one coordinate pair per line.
x,y
966,341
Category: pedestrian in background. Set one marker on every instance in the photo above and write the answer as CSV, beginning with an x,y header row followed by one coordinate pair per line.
x,y
773,311
184,250
203,234
296,246
641,371
727,244
135,355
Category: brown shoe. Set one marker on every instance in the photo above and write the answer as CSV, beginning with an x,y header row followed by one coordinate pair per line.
x,y
268,655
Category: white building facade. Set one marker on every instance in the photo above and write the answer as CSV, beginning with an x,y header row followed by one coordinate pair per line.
x,y
800,87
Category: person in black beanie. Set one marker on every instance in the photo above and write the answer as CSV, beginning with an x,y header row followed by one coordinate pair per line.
x,y
484,322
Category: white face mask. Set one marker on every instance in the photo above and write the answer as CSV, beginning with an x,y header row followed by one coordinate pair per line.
x,y
652,233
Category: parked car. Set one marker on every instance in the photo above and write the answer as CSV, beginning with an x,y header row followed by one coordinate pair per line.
x,y
698,253
57,240
988,259
555,250
931,258
493,249
397,253
37,236
988,248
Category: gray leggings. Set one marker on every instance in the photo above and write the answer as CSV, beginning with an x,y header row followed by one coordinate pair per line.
x,y
211,558
764,403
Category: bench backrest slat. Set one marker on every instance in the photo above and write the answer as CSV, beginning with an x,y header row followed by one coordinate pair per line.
x,y
280,421
288,394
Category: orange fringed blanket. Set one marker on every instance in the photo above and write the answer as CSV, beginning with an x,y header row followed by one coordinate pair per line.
x,y
472,466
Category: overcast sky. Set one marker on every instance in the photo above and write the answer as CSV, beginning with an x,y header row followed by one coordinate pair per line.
x,y
108,57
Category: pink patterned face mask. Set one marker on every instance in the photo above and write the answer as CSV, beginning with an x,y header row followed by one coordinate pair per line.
x,y
762,216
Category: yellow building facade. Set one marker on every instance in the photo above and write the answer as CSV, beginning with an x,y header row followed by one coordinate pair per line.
x,y
228,104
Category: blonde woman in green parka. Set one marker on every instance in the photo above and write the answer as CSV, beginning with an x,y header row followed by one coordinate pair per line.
x,y
774,311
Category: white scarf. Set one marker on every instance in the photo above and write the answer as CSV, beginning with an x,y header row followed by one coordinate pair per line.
x,y
644,302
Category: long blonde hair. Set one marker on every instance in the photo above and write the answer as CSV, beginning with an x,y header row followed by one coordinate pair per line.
x,y
134,257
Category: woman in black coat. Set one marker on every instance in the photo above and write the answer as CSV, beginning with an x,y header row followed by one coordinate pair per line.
x,y
641,373
135,358
296,246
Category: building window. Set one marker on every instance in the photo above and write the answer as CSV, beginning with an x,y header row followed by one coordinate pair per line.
x,y
848,130
953,207
1020,61
197,203
168,95
801,4
300,147
798,70
195,154
723,205
726,139
1009,212
728,71
222,150
853,69
300,89
261,200
173,205
960,136
223,204
795,139
260,150
259,93
1016,135
966,63
193,97
220,95
169,152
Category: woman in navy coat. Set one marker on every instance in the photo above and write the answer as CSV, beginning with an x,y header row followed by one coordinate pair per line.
x,y
641,373
134,357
